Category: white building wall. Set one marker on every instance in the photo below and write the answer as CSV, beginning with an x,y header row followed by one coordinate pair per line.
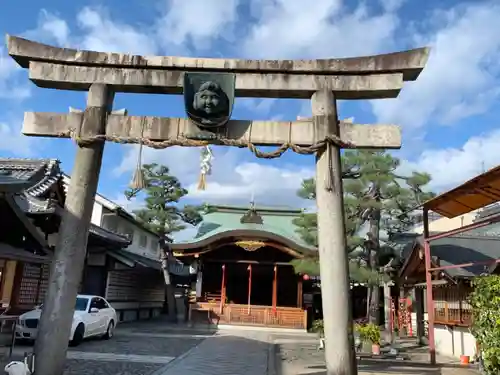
x,y
143,242
450,341
454,341
96,214
444,224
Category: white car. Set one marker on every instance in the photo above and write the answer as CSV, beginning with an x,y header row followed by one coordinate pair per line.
x,y
93,316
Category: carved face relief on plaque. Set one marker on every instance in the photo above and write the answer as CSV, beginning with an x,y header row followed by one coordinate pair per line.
x,y
208,98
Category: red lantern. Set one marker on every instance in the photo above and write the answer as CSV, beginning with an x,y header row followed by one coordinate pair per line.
x,y
305,277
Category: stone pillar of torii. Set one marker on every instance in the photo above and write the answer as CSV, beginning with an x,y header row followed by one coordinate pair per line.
x,y
210,87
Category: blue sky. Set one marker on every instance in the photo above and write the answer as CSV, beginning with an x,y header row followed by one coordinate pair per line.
x,y
449,116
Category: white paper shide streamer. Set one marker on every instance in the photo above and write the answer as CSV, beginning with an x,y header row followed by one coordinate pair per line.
x,y
205,166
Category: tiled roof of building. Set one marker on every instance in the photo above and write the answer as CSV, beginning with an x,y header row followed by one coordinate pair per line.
x,y
37,177
473,246
272,221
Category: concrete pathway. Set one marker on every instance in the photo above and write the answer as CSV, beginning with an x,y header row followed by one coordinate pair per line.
x,y
222,355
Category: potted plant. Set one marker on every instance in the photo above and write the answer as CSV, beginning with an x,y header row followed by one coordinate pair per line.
x,y
370,333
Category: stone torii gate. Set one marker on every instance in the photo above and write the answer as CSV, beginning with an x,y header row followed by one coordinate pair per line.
x,y
103,74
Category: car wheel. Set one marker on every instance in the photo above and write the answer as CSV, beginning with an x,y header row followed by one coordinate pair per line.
x,y
110,331
78,335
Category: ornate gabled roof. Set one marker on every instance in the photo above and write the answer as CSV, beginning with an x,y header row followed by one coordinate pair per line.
x,y
38,177
11,185
41,173
273,223
251,217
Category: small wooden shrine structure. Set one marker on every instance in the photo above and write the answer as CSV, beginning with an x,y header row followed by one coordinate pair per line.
x,y
244,273
467,244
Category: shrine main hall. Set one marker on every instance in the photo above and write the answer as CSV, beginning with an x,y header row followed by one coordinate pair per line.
x,y
244,273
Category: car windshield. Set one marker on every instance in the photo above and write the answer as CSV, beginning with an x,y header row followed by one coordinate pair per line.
x,y
80,305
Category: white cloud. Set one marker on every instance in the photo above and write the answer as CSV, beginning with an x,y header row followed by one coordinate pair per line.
x,y
197,22
177,27
270,185
183,161
50,28
13,141
461,77
10,88
233,180
322,29
101,33
450,167
96,31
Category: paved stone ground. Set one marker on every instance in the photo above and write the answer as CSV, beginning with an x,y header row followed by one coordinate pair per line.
x,y
224,355
301,357
136,348
156,348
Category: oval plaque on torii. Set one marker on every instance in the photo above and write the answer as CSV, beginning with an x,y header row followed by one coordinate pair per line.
x,y
209,98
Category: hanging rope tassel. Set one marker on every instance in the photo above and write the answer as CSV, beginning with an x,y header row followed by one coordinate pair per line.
x,y
206,158
138,183
329,178
202,182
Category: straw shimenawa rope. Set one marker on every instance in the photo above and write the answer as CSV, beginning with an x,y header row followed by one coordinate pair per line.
x,y
326,144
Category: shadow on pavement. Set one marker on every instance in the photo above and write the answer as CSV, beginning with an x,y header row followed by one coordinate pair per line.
x,y
398,367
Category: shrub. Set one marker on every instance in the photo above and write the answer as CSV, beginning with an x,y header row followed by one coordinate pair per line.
x,y
318,327
485,302
368,332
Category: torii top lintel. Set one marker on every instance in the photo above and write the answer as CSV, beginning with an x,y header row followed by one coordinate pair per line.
x,y
370,77
410,62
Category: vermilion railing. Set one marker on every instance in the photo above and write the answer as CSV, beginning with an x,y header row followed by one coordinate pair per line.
x,y
281,317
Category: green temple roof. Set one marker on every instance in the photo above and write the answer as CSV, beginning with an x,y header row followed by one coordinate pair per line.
x,y
273,223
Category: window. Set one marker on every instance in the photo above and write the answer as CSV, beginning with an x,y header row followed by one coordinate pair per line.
x,y
93,304
154,244
98,303
81,304
129,232
143,241
111,224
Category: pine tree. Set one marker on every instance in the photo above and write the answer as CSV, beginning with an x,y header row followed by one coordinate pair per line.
x,y
377,197
162,214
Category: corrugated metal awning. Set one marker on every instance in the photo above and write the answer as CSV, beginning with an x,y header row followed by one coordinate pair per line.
x,y
476,193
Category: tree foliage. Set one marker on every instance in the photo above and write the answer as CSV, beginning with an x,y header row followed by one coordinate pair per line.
x,y
376,198
485,302
162,213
